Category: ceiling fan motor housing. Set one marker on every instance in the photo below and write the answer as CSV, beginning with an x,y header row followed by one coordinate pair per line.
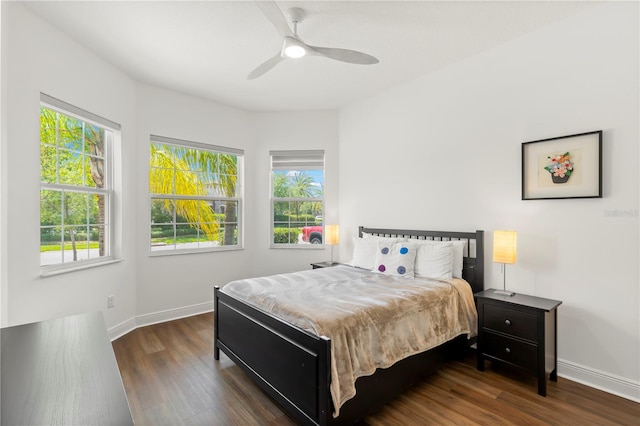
x,y
296,15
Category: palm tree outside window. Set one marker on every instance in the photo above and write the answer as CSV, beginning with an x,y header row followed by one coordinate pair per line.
x,y
195,196
297,198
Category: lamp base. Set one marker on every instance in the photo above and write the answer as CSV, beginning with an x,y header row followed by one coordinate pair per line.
x,y
504,292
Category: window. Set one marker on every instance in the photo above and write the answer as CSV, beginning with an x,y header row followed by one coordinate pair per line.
x,y
297,198
195,196
75,185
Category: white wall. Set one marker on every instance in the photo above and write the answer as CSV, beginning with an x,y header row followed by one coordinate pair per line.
x,y
37,58
443,152
283,131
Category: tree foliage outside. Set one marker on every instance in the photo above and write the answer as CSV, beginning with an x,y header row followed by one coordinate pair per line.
x,y
194,200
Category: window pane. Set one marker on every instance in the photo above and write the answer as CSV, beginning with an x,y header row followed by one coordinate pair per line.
x,y
97,237
230,188
162,181
70,167
229,234
70,133
187,183
209,239
94,171
48,126
94,138
97,209
187,236
75,209
48,161
76,246
186,159
228,217
176,172
162,211
205,211
162,237
298,184
50,207
51,253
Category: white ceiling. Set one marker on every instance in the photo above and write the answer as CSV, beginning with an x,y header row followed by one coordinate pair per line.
x,y
207,48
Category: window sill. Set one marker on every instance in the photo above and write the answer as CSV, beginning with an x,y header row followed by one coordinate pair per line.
x,y
158,253
48,271
299,246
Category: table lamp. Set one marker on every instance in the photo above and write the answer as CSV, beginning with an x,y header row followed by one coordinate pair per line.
x,y
332,237
504,251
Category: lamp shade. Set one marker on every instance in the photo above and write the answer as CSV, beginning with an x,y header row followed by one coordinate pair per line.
x,y
504,246
333,234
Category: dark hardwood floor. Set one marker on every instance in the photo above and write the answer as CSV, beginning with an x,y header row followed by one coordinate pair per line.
x,y
171,378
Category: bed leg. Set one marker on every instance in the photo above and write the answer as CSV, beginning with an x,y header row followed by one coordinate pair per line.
x,y
216,349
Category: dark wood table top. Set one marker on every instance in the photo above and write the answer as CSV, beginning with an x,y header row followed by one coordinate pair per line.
x,y
61,372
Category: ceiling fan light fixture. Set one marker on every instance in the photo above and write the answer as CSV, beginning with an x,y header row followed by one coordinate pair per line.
x,y
294,51
293,48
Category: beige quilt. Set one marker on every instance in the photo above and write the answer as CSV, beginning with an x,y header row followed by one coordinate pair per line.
x,y
372,320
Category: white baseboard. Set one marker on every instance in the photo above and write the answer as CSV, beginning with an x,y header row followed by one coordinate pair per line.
x,y
606,382
121,329
158,317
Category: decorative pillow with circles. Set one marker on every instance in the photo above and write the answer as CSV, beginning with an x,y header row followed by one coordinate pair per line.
x,y
365,249
395,259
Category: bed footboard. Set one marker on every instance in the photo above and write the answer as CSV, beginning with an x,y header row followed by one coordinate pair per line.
x,y
290,364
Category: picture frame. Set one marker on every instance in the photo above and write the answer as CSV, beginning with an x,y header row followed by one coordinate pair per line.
x,y
563,167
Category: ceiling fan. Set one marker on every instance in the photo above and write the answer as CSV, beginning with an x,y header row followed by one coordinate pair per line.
x,y
292,45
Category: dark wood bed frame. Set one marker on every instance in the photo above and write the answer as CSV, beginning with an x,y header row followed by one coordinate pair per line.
x,y
293,366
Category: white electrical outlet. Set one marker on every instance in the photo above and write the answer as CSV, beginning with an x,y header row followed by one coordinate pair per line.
x,y
111,301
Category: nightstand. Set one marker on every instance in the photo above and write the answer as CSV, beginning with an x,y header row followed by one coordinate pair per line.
x,y
519,330
327,264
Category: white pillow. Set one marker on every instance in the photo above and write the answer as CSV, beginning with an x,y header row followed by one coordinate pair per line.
x,y
396,259
364,251
434,261
458,253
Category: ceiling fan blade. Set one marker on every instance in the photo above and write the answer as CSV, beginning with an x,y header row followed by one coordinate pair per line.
x,y
265,66
273,13
346,55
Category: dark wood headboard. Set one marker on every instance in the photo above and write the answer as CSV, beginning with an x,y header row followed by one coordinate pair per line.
x,y
473,266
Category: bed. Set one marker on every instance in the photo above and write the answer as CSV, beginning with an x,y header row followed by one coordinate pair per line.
x,y
292,364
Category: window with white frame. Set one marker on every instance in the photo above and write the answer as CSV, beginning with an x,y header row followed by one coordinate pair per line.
x,y
297,198
196,202
75,185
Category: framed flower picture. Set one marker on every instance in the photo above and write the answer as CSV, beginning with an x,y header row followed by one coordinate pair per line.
x,y
563,167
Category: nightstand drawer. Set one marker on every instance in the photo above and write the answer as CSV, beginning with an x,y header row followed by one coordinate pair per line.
x,y
510,321
511,350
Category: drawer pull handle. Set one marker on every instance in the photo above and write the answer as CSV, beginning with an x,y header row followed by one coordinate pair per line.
x,y
508,322
507,350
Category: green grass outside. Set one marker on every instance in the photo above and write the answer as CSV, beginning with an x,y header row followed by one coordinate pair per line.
x,y
67,246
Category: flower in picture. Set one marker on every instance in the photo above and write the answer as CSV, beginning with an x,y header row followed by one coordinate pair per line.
x,y
560,171
560,167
